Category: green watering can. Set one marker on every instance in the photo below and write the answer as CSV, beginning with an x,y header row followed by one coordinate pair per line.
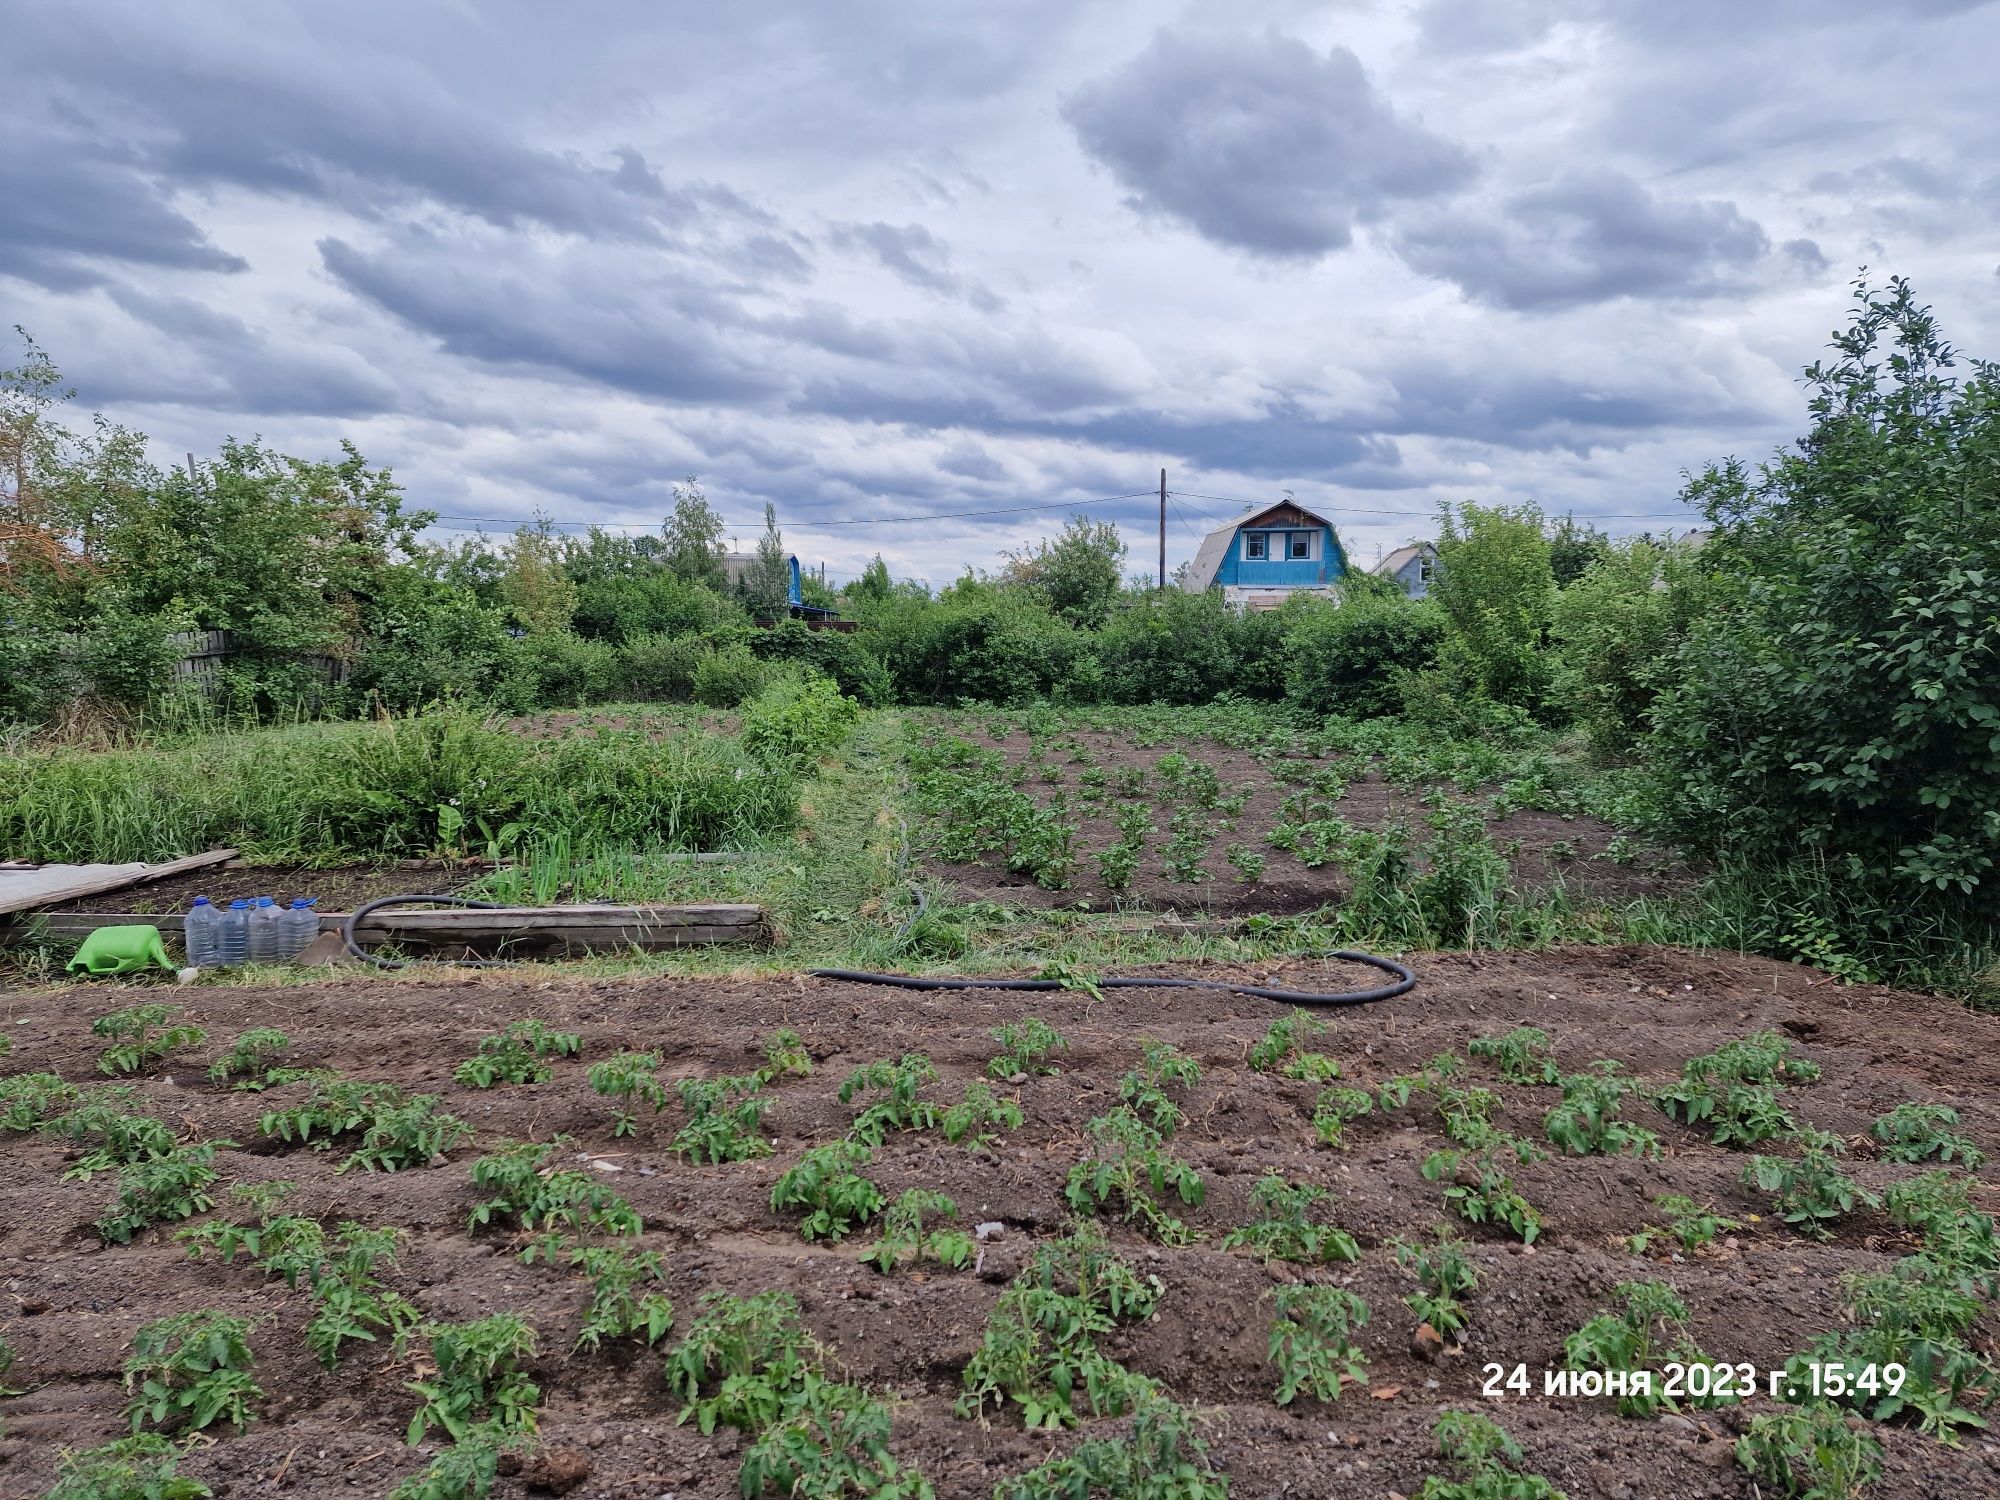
x,y
121,950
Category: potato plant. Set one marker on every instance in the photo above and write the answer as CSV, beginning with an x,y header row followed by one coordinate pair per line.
x,y
1810,1191
190,1370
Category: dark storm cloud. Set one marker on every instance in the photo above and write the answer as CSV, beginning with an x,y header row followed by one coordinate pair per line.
x,y
1588,237
653,334
1258,142
71,210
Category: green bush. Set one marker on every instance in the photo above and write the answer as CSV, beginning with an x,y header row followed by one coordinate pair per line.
x,y
556,669
661,668
858,670
1618,627
1347,660
1171,647
795,721
1842,696
1496,590
726,678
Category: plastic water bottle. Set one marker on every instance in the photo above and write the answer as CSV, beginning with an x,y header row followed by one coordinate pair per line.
x,y
266,931
232,935
301,927
198,930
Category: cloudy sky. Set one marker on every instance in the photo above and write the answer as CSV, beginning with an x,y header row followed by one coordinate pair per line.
x,y
876,260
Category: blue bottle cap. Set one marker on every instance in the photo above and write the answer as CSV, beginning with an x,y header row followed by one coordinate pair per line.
x,y
201,901
263,900
239,906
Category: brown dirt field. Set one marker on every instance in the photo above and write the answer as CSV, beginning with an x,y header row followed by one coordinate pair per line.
x,y
70,1306
340,889
1541,848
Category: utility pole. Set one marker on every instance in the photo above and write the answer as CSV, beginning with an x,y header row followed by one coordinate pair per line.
x,y
1163,530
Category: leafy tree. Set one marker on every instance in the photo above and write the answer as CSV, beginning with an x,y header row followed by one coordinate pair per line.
x,y
1077,575
1347,659
1573,547
535,586
766,585
1842,694
1618,626
1168,647
694,538
1495,586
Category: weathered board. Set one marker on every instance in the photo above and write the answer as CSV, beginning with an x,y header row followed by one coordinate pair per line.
x,y
26,888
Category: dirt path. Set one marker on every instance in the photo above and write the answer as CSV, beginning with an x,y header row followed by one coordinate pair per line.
x,y
71,1305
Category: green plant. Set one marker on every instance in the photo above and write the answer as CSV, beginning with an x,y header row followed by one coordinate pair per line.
x,y
1651,1330
1736,1114
142,1036
622,1303
1026,1046
1522,1055
904,1233
524,1185
1337,1108
1188,847
1245,861
122,1139
1145,1088
396,1130
1116,864
1482,1193
189,1370
1283,1049
1957,1237
1284,1229
834,1197
899,1108
133,1468
162,1190
519,1054
1809,1453
829,1440
785,1054
1764,1057
350,1303
1692,1224
740,1360
1811,1191
1906,1355
1162,1459
723,1118
1918,1132
1039,1350
1445,1277
478,1384
1489,1459
28,1100
1311,1341
464,1471
966,1122
629,1078
1128,1167
250,1056
1587,1122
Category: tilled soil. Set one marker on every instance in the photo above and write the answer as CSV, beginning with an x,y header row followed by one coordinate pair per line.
x,y
339,889
1541,848
71,1305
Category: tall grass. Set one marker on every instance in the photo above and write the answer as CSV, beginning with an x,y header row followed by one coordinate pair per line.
x,y
442,781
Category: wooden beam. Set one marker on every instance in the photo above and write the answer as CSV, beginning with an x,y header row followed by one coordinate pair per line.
x,y
568,929
98,885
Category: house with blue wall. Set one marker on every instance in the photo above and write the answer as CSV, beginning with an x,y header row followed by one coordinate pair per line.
x,y
1262,559
1412,568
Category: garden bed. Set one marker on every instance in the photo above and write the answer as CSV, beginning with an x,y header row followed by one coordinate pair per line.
x,y
1757,1294
1097,773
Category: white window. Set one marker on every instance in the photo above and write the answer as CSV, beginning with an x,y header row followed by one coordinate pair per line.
x,y
1256,545
1301,546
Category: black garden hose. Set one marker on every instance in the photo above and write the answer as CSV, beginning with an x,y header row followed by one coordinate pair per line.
x,y
1405,982
365,908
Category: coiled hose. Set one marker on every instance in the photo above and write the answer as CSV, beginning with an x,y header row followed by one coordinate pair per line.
x,y
1404,979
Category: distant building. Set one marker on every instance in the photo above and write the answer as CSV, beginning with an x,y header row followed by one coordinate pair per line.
x,y
1412,567
1262,559
735,565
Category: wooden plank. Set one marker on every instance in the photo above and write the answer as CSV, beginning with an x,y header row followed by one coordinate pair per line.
x,y
599,928
98,886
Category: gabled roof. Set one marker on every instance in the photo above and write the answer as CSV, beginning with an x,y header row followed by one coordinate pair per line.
x,y
1402,557
1215,546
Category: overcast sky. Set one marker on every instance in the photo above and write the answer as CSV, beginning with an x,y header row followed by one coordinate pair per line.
x,y
872,259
